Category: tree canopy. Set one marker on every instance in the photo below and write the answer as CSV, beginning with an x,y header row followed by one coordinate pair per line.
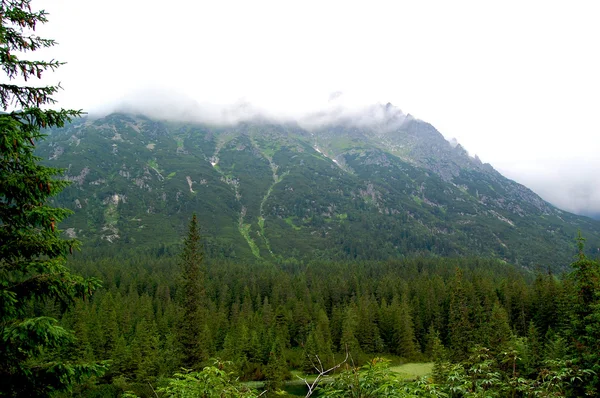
x,y
33,272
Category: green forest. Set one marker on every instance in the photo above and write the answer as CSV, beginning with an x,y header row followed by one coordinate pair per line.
x,y
490,329
176,321
183,324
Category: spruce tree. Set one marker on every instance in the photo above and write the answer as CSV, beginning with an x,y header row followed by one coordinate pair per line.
x,y
348,340
499,329
33,254
276,371
406,345
460,328
585,329
192,298
533,350
437,353
318,344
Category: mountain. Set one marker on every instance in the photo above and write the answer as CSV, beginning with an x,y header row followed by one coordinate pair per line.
x,y
595,216
373,184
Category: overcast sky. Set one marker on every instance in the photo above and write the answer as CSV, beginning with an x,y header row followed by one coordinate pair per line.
x,y
516,82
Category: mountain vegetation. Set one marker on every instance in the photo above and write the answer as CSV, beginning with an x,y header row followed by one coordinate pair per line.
x,y
375,186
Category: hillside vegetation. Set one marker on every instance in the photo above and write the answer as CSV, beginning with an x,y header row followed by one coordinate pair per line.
x,y
273,191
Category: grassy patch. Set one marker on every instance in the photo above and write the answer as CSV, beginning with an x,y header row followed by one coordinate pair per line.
x,y
290,222
345,143
408,371
245,231
111,215
152,163
412,370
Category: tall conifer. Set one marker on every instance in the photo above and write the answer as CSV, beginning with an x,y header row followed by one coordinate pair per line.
x,y
585,329
191,297
33,254
460,328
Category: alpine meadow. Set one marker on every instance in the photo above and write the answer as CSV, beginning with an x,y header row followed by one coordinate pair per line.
x,y
341,253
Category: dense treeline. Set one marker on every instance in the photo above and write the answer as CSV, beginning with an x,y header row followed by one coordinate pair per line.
x,y
266,319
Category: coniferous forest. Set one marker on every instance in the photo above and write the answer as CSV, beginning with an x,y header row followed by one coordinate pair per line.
x,y
487,327
176,322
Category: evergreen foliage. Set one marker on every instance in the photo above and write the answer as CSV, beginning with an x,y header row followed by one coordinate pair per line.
x,y
33,273
460,328
270,320
585,326
191,324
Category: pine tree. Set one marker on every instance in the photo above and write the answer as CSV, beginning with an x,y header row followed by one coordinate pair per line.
x,y
533,350
192,298
107,324
585,330
146,342
460,328
499,329
32,252
437,353
367,331
348,340
406,345
276,371
545,295
318,344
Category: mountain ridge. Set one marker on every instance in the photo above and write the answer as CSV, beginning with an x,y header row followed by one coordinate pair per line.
x,y
344,189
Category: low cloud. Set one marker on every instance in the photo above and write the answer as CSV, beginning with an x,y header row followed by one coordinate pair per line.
x,y
380,117
166,104
570,184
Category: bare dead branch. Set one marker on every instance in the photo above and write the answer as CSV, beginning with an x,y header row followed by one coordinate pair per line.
x,y
321,373
152,388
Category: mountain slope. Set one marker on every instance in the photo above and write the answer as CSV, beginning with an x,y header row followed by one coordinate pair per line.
x,y
372,186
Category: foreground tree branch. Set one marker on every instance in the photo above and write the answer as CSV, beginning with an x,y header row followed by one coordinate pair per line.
x,y
321,372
